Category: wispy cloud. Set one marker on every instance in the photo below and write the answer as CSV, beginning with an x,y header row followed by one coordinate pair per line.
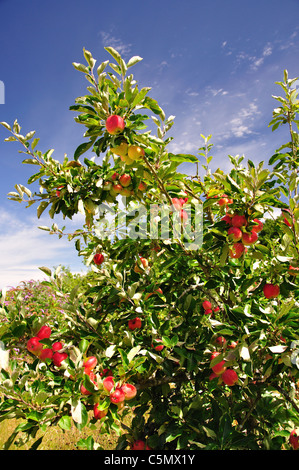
x,y
110,40
24,248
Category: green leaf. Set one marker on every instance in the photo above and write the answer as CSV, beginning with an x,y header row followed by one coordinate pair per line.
x,y
46,270
134,60
65,423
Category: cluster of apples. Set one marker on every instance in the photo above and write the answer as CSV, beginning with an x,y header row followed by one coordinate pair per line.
x,y
208,308
118,393
228,376
122,184
38,349
241,233
178,204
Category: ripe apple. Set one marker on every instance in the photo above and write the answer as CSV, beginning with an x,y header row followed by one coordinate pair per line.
x,y
134,152
224,200
134,323
129,391
115,124
117,188
117,396
294,439
34,346
234,233
90,362
141,186
227,219
125,180
258,227
208,311
220,340
230,377
58,358
177,203
98,258
271,291
108,383
46,353
183,215
206,305
239,221
219,368
236,250
140,445
44,332
84,391
249,238
57,346
97,413
157,346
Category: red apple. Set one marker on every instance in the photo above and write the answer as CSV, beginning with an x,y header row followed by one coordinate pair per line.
x,y
125,180
46,353
108,383
134,323
90,362
271,291
115,124
220,340
157,346
129,391
58,358
236,250
227,219
117,188
249,238
235,233
98,258
117,396
208,311
239,221
34,346
183,215
294,440
99,414
177,203
140,445
219,368
44,332
206,305
230,377
141,186
258,227
57,346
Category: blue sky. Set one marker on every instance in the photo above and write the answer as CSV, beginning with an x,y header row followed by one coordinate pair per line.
x,y
213,64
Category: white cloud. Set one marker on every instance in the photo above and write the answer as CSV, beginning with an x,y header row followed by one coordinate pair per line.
x,y
109,40
24,248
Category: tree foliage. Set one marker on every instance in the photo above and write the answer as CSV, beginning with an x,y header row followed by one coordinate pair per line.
x,y
180,402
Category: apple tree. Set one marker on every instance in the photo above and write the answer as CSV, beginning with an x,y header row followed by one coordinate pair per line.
x,y
186,334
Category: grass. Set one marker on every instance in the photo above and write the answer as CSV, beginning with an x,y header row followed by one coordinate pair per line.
x,y
55,438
